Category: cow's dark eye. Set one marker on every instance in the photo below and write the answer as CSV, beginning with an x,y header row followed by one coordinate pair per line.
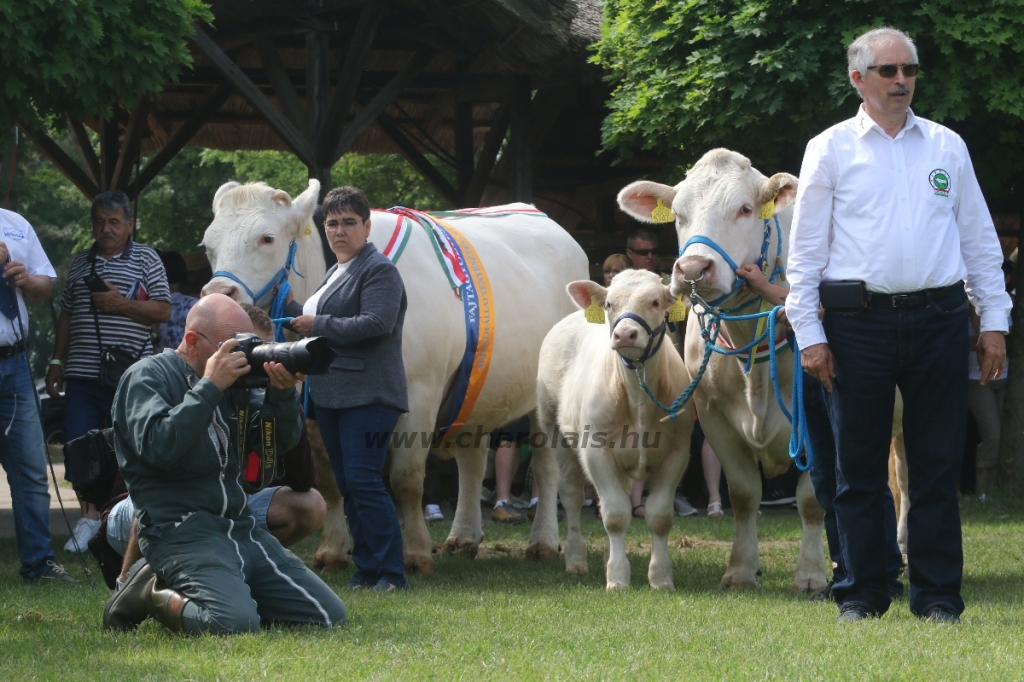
x,y
656,304
267,239
746,209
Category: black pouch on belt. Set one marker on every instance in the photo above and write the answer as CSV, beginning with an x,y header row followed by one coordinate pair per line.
x,y
843,293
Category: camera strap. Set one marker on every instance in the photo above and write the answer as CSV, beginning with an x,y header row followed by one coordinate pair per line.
x,y
258,451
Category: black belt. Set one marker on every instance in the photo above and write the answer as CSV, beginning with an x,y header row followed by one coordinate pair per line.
x,y
10,351
915,299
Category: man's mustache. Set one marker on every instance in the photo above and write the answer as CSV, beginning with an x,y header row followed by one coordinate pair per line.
x,y
900,90
106,235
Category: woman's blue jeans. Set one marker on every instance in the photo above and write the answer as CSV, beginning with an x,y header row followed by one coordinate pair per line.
x,y
357,442
23,455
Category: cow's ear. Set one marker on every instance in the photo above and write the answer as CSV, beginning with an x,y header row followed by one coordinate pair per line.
x,y
305,205
281,198
648,202
221,192
586,293
781,188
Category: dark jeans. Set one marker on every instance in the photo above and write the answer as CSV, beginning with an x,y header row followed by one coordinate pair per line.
x,y
87,407
823,479
356,439
923,351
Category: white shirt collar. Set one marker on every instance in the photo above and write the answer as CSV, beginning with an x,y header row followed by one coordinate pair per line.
x,y
864,123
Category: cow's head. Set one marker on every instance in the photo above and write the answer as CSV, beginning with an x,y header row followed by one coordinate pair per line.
x,y
252,229
721,199
639,292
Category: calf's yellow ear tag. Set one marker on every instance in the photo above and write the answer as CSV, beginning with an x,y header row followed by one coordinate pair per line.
x,y
308,231
593,313
768,210
678,311
662,213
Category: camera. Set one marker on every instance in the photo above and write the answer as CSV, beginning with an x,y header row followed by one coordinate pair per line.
x,y
308,356
95,284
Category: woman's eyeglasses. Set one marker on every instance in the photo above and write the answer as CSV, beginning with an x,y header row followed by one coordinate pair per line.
x,y
889,70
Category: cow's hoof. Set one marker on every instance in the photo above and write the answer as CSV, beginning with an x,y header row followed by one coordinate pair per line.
x,y
808,586
417,563
328,561
541,552
738,582
463,548
663,586
615,587
576,569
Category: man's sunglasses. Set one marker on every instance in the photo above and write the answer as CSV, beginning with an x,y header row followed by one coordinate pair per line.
x,y
889,70
642,252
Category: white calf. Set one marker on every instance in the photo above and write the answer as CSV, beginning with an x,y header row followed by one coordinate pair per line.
x,y
610,428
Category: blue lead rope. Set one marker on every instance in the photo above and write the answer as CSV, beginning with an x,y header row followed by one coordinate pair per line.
x,y
279,280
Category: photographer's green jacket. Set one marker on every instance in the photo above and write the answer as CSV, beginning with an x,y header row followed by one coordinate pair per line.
x,y
176,438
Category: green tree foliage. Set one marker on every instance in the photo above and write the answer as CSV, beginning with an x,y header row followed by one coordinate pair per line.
x,y
81,56
764,76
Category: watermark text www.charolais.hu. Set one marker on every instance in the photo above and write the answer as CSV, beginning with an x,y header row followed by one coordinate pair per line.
x,y
626,438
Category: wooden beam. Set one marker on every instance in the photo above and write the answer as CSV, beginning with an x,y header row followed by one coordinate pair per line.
x,y
83,145
282,84
129,151
520,144
64,163
488,154
241,83
380,102
351,70
216,97
408,148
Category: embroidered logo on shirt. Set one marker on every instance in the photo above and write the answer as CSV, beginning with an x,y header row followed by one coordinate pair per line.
x,y
14,232
940,182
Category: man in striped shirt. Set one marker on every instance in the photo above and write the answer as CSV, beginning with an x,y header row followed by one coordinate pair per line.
x,y
136,297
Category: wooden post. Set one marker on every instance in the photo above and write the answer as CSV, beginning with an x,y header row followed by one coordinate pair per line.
x,y
318,102
109,149
463,148
521,176
1011,440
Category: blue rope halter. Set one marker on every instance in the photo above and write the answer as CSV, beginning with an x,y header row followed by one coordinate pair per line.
x,y
279,280
711,320
652,334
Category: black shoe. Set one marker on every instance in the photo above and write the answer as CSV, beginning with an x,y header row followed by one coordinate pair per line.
x,y
776,497
54,573
127,607
942,614
824,595
850,613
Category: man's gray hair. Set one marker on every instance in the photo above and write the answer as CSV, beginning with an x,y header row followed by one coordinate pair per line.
x,y
861,52
641,233
111,201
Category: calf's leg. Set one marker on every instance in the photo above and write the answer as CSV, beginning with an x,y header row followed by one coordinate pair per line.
x,y
810,566
613,489
543,545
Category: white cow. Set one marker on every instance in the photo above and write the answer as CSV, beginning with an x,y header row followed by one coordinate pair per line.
x,y
528,260
610,428
721,199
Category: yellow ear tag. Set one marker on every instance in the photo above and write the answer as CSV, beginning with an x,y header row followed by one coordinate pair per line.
x,y
662,213
308,231
768,210
678,311
593,313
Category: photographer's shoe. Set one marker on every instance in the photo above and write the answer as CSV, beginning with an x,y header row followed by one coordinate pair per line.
x,y
127,607
166,605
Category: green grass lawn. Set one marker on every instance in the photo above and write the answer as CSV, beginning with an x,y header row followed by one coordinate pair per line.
x,y
499,618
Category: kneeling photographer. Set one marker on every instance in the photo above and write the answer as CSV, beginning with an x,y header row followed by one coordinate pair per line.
x,y
208,567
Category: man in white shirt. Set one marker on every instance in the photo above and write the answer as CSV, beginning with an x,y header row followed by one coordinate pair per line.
x,y
891,200
27,276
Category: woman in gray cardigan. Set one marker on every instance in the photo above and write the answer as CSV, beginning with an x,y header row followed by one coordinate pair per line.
x,y
360,307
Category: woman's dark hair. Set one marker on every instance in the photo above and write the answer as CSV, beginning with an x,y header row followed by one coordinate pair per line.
x,y
174,264
347,199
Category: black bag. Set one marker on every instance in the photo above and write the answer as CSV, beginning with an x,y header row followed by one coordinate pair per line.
x,y
114,360
90,464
